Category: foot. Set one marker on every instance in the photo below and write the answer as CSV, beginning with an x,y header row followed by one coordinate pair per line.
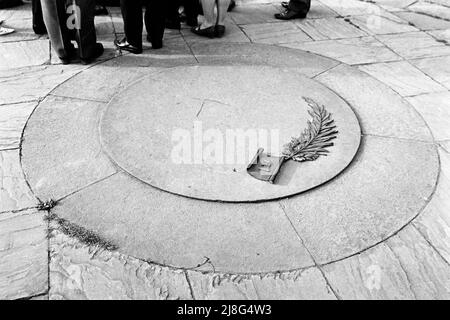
x,y
98,51
289,15
71,54
124,45
4,31
206,32
219,31
157,44
285,4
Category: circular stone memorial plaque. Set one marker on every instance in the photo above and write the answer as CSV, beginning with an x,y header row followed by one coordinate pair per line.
x,y
193,130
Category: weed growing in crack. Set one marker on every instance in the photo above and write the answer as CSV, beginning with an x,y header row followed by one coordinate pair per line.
x,y
84,235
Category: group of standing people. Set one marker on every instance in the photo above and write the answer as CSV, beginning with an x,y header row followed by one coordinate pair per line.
x,y
68,20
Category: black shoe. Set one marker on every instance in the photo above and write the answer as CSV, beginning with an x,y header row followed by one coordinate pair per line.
x,y
98,51
289,15
71,54
207,32
124,45
219,31
157,44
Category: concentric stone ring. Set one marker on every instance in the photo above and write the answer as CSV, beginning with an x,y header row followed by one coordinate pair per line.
x,y
75,150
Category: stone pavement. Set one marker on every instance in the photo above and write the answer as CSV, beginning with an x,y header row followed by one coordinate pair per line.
x,y
388,59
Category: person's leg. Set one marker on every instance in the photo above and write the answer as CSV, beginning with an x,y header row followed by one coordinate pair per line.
x,y
155,18
222,11
132,18
173,15
208,13
54,15
38,20
85,35
191,10
300,6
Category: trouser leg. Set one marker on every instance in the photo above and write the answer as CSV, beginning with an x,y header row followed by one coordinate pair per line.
x,y
192,10
300,6
55,17
38,20
155,19
172,10
132,19
85,28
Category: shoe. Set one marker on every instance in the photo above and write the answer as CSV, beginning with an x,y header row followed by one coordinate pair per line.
x,y
157,44
207,32
98,51
285,4
289,15
219,31
4,31
124,45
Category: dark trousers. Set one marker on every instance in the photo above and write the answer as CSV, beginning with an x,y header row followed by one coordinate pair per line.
x,y
191,10
64,25
300,6
155,17
38,19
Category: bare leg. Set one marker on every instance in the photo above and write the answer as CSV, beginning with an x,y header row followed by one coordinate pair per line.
x,y
208,12
222,11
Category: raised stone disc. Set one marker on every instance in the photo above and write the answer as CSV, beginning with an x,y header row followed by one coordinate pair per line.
x,y
193,130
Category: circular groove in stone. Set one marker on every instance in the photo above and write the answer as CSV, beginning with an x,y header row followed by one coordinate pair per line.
x,y
193,131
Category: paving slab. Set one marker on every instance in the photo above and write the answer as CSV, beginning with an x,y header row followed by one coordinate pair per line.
x,y
54,167
78,272
180,232
14,192
431,9
257,54
423,22
24,53
350,51
147,145
375,24
380,110
437,68
415,45
434,222
307,284
435,109
253,14
275,33
33,83
394,5
404,267
442,35
352,7
12,121
348,215
403,77
329,28
23,255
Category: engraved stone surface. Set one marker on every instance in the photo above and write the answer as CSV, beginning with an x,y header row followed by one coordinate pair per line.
x,y
142,127
181,232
